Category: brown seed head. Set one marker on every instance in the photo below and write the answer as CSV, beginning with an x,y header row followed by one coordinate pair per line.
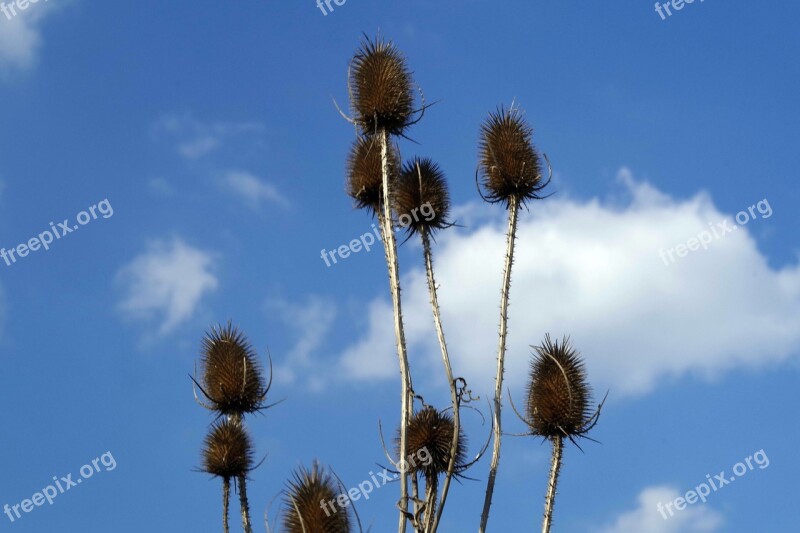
x,y
232,375
558,393
382,92
308,504
510,165
429,439
421,199
228,452
365,173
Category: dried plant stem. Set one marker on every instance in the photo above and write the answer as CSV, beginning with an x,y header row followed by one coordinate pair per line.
x,y
390,247
244,504
550,497
226,498
513,210
448,369
431,492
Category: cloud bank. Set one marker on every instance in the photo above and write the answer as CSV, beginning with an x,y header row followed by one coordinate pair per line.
x,y
592,270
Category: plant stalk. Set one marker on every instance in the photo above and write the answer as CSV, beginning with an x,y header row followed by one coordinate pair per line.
x,y
226,498
550,497
390,247
448,369
244,504
513,211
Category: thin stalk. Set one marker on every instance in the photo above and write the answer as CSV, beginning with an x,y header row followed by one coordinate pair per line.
x,y
226,498
431,490
513,209
244,505
448,369
550,497
390,246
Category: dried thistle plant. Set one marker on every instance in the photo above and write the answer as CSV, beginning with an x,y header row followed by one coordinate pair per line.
x,y
232,377
511,174
382,100
382,93
227,454
311,504
558,406
365,173
430,451
233,383
422,184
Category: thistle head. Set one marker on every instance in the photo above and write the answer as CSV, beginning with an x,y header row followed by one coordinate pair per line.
x,y
311,504
227,451
421,199
365,173
381,87
429,439
558,392
510,166
232,376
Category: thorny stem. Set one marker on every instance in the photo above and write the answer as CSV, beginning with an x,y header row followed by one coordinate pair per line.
x,y
245,506
390,248
513,209
437,319
550,497
226,497
431,490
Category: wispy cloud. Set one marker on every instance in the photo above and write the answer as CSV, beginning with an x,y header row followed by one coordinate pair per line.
x,y
592,270
21,38
195,138
251,190
311,322
166,283
645,517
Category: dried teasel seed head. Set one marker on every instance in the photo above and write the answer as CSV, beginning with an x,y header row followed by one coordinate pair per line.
x,y
311,504
510,165
558,393
421,199
381,86
228,452
429,439
232,376
365,173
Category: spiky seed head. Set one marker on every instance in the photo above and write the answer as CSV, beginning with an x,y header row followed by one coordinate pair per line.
x,y
232,376
228,452
382,88
558,392
365,173
429,439
311,504
510,165
421,199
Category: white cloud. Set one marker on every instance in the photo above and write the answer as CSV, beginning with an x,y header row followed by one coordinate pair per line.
x,y
21,37
696,518
196,138
251,190
167,282
311,322
592,270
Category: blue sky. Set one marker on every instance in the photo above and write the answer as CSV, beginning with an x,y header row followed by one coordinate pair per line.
x,y
210,132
